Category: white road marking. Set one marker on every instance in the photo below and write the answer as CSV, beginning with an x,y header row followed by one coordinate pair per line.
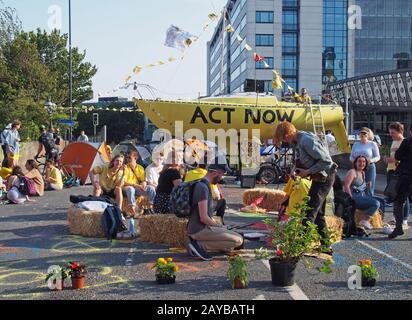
x,y
408,266
260,297
295,292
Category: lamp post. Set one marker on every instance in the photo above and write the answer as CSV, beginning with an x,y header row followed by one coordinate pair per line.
x,y
70,69
49,106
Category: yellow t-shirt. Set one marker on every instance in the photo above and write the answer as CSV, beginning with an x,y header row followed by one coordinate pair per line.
x,y
394,147
107,179
56,175
297,191
134,176
199,173
5,173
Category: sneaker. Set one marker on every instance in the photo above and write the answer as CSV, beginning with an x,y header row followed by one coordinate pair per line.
x,y
366,224
396,233
392,223
387,229
198,250
405,225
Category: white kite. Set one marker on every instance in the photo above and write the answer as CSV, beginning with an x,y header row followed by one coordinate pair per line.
x,y
179,39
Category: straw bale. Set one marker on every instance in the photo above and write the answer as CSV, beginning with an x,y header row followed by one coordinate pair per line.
x,y
272,198
85,223
376,220
335,225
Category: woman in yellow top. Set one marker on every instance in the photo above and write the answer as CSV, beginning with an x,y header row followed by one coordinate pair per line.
x,y
135,184
109,180
219,204
53,179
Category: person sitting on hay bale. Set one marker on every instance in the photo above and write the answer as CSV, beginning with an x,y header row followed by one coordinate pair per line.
x,y
357,188
219,203
108,180
135,184
169,178
204,233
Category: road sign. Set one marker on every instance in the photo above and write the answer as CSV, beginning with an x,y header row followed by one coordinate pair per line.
x,y
66,122
95,119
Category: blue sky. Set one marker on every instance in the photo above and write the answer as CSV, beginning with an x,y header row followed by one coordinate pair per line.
x,y
118,35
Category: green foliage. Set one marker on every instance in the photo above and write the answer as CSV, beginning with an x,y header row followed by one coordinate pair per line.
x,y
368,270
238,268
165,268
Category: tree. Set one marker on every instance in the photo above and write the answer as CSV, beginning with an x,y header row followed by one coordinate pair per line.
x,y
10,24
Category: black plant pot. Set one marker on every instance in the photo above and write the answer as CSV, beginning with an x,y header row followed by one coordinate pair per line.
x,y
283,273
368,282
165,280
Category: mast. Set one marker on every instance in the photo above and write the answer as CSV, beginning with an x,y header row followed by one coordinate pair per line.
x,y
224,12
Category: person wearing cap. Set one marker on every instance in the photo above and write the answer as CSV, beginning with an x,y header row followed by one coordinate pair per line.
x,y
3,141
204,234
312,159
12,143
370,151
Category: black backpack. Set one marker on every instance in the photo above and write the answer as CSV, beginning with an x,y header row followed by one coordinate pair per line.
x,y
112,221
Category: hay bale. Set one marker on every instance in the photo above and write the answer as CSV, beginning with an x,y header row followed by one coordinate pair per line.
x,y
85,223
271,198
163,229
335,225
142,203
376,220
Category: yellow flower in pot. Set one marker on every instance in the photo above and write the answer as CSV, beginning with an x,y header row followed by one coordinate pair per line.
x,y
165,270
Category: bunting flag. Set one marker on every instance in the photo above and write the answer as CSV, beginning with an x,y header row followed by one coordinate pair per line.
x,y
229,29
267,66
239,38
137,69
277,80
248,47
128,79
179,39
213,16
259,58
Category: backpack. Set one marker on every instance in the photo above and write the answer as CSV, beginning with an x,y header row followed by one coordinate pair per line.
x,y
27,187
112,221
180,202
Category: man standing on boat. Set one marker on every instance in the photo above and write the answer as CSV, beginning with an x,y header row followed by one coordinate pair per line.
x,y
312,160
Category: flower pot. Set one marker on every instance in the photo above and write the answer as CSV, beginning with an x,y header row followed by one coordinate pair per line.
x,y
366,282
239,284
59,285
283,272
78,283
165,280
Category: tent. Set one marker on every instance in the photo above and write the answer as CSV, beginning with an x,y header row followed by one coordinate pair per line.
x,y
83,156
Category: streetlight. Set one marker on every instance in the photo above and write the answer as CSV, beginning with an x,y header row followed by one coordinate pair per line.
x,y
50,106
70,69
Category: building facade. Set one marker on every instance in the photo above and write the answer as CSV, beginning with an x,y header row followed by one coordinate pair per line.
x,y
308,42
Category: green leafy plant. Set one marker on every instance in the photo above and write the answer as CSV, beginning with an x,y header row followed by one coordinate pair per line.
x,y
368,270
238,269
165,268
56,272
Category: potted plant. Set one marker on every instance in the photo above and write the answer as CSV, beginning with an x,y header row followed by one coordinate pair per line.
x,y
369,273
290,241
238,272
78,272
166,271
58,274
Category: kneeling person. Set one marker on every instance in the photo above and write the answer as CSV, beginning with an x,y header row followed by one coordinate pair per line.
x,y
135,184
204,233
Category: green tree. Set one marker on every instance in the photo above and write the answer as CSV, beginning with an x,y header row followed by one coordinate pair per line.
x,y
10,24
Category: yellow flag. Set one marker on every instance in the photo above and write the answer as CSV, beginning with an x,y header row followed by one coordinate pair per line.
x,y
160,63
172,59
137,70
277,80
128,79
212,16
229,29
151,65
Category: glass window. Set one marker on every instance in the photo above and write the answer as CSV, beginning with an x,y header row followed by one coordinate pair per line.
x,y
264,40
289,42
290,20
264,17
290,3
291,82
289,66
268,60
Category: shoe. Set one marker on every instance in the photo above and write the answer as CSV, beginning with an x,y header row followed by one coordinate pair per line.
x,y
392,222
405,225
148,212
396,233
198,250
387,229
366,225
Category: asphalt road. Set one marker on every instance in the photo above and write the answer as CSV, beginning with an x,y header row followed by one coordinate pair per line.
x,y
36,236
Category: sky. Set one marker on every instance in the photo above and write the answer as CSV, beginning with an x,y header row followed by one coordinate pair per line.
x,y
117,35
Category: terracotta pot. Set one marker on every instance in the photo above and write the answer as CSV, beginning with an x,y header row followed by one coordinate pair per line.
x,y
59,285
78,283
165,280
239,284
283,272
368,282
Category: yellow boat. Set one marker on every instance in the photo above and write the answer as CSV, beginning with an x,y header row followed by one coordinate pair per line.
x,y
245,112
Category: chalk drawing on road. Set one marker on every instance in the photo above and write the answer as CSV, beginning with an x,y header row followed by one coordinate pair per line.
x,y
80,245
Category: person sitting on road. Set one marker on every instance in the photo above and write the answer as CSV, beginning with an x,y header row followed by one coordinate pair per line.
x,y
219,203
356,186
46,142
13,193
135,184
34,174
109,179
169,178
54,180
204,233
6,170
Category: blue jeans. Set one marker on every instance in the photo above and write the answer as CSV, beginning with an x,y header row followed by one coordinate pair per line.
x,y
406,209
366,203
132,192
370,176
